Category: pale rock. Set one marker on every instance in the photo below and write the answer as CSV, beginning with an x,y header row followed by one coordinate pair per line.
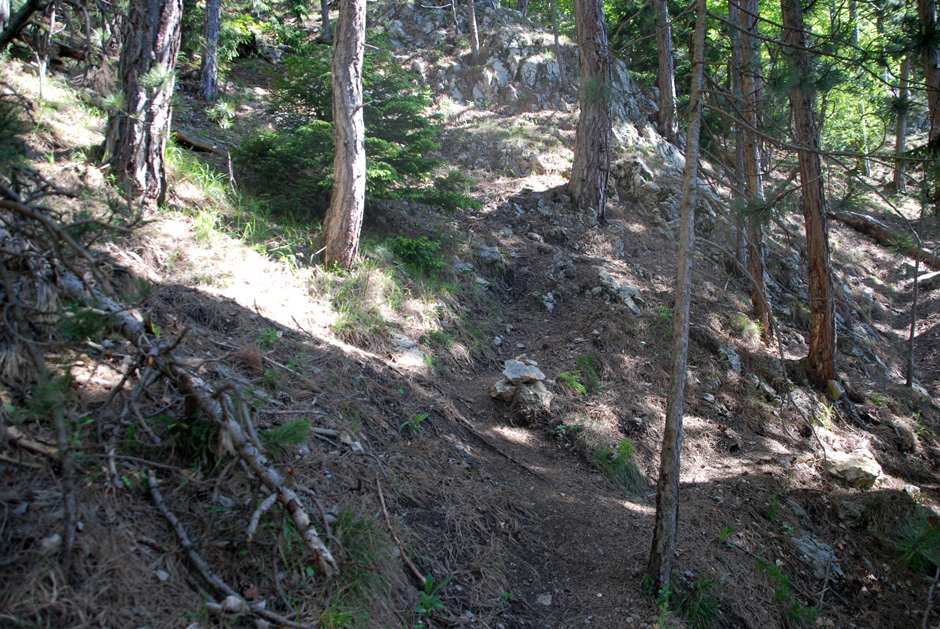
x,y
544,599
834,391
533,396
734,361
821,557
501,72
857,469
407,352
490,254
503,389
518,372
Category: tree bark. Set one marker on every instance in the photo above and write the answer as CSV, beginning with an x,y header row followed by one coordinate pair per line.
x,y
209,83
820,361
326,34
347,205
561,64
750,87
474,34
667,494
590,172
523,7
135,142
927,12
4,13
900,142
667,123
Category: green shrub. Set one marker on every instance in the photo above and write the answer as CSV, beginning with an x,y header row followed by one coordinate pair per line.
x,y
296,160
619,464
419,253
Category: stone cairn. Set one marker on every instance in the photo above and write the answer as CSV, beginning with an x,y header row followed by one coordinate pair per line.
x,y
523,388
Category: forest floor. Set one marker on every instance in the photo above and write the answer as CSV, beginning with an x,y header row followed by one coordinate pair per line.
x,y
517,520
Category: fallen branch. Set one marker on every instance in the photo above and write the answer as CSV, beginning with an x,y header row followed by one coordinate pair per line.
x,y
188,141
232,602
159,353
401,548
883,236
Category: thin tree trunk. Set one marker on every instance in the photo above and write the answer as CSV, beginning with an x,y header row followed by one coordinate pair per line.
x,y
667,495
453,11
561,63
900,143
523,7
927,12
667,125
16,23
590,172
344,218
820,361
912,335
474,34
326,33
135,141
209,83
750,54
740,172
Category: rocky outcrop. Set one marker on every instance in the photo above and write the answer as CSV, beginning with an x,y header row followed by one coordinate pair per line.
x,y
857,469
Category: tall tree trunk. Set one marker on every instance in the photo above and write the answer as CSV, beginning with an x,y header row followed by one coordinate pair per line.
x,y
927,12
209,81
667,489
474,34
900,142
667,125
735,70
820,361
590,172
344,218
561,63
912,335
750,86
326,31
135,141
523,7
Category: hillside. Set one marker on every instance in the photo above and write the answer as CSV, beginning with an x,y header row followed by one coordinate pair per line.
x,y
517,515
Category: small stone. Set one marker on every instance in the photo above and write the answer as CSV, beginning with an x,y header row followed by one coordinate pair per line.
x,y
533,396
162,575
834,391
491,254
497,341
708,397
859,469
503,390
544,599
51,544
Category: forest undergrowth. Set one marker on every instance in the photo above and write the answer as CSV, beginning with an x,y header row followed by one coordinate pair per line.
x,y
221,424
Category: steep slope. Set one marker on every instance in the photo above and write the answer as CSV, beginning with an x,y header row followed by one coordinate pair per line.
x,y
412,457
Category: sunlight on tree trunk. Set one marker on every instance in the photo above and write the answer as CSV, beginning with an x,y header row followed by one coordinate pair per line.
x,y
137,133
900,142
590,171
344,218
209,84
667,489
523,7
474,34
820,360
667,125
750,87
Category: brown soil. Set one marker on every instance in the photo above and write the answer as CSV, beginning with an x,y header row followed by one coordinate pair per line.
x,y
517,515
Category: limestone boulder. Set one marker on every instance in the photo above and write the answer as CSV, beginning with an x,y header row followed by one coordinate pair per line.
x,y
856,469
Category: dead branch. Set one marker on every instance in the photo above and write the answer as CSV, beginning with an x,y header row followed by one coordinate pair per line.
x,y
232,602
188,141
401,548
159,353
256,516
